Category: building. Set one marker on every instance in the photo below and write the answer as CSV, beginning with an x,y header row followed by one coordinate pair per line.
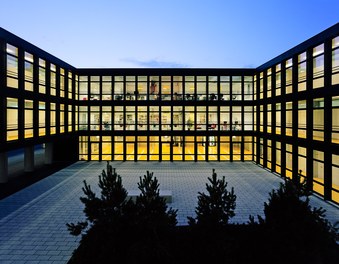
x,y
283,115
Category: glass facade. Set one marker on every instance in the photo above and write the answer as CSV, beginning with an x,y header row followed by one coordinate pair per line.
x,y
282,115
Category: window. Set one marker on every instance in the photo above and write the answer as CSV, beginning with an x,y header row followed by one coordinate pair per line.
x,y
142,88
12,119
269,83
289,161
213,88
106,88
153,85
236,88
28,119
12,66
83,118
318,172
42,76
106,120
119,88
225,118
53,79
62,118
225,91
70,119
318,66
278,157
302,119
302,72
95,118
166,118
261,87
70,85
119,121
335,178
166,88
28,72
302,157
42,118
95,88
130,117
248,88
289,79
335,119
62,82
269,119
248,118
318,119
269,154
289,118
52,118
189,88
177,88
142,121
335,61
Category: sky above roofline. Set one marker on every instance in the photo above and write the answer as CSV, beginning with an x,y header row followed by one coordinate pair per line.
x,y
169,33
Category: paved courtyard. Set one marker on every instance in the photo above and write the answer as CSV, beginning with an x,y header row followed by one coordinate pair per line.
x,y
32,221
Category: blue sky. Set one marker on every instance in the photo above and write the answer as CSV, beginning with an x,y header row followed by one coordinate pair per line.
x,y
167,33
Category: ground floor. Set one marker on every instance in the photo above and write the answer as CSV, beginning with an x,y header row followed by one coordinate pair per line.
x,y
166,148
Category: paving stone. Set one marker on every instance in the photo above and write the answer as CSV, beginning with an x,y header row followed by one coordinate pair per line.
x,y
33,220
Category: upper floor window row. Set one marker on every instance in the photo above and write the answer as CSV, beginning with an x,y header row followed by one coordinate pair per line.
x,y
281,75
45,71
189,88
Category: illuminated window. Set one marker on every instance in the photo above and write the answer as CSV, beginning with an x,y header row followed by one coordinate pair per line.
x,y
302,72
62,82
318,172
53,79
70,85
318,119
278,80
12,119
28,118
83,88
335,178
335,61
289,78
42,76
318,66
302,113
12,66
42,118
289,118
52,118
335,119
28,72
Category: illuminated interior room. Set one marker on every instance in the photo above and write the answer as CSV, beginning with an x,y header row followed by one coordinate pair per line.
x,y
282,115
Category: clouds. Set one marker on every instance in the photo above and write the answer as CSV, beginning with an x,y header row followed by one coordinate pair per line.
x,y
154,63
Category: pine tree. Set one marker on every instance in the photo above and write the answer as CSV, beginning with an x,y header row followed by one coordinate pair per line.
x,y
111,209
216,207
152,209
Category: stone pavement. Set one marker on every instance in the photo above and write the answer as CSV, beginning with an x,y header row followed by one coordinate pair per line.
x,y
32,221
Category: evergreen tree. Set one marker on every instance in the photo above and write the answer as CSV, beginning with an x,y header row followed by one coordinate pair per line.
x,y
294,229
152,209
216,207
112,208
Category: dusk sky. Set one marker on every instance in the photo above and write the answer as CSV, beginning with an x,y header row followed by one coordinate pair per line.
x,y
167,33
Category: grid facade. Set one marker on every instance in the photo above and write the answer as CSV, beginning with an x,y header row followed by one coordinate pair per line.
x,y
283,115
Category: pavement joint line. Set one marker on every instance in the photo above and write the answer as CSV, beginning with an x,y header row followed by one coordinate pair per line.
x,y
26,206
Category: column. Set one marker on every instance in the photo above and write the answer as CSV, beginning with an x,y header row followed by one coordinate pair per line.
x,y
29,159
3,167
48,153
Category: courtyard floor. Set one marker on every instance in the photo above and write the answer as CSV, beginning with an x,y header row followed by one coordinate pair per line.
x,y
33,220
